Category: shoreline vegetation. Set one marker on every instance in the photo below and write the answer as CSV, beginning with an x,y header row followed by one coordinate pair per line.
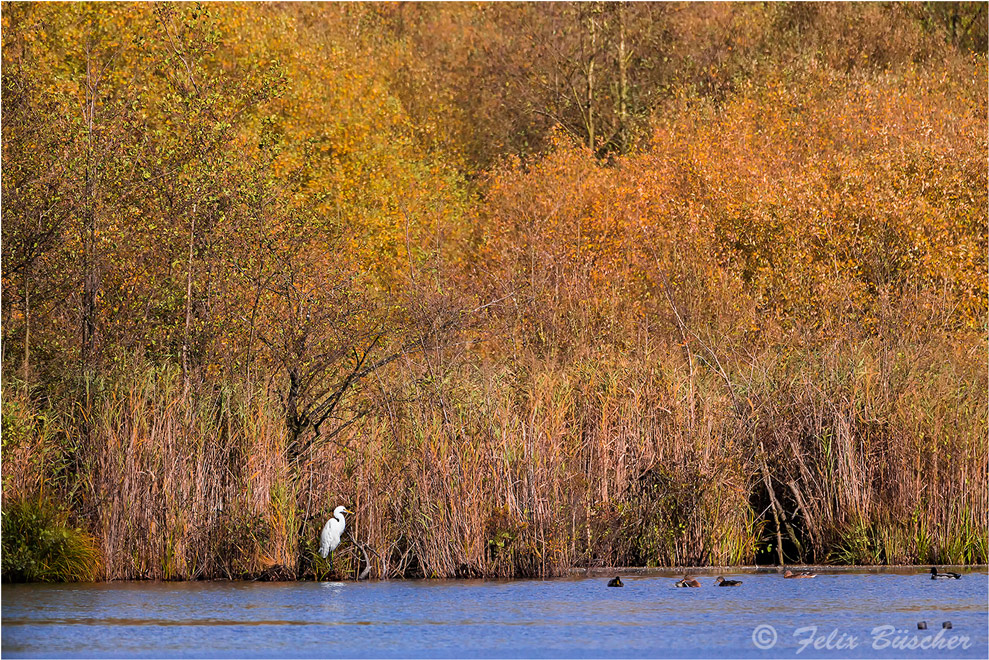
x,y
529,288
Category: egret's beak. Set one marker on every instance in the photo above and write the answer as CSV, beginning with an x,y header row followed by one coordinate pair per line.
x,y
348,511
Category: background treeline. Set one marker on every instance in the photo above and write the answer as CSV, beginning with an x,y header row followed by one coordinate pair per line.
x,y
527,286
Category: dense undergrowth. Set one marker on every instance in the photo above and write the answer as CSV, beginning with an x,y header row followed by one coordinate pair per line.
x,y
746,323
39,545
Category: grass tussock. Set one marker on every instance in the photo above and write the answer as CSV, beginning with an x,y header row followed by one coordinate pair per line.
x,y
41,545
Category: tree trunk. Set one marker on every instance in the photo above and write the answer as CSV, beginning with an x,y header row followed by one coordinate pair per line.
x,y
90,284
590,85
188,299
27,327
623,140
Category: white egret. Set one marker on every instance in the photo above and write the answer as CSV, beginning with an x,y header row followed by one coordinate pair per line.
x,y
329,539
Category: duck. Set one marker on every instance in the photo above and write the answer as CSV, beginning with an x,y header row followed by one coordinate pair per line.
x,y
615,582
943,576
721,582
803,574
687,581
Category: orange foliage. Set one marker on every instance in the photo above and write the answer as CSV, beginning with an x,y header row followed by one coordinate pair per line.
x,y
812,199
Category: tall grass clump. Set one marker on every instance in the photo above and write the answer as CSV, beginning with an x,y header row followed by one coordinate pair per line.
x,y
185,484
41,545
38,450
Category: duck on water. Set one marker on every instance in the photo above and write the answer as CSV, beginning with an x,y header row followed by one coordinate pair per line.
x,y
687,581
935,575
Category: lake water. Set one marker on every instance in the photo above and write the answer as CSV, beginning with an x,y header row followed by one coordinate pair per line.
x,y
835,615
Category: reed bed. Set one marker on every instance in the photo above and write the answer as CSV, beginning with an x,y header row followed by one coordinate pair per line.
x,y
846,454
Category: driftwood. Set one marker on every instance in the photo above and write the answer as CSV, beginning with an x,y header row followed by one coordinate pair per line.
x,y
367,562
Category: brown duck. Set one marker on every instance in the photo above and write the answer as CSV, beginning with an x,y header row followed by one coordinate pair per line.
x,y
687,581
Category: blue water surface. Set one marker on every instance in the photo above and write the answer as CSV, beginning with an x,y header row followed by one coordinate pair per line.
x,y
834,615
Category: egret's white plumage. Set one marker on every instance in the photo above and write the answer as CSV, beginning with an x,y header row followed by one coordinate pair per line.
x,y
329,539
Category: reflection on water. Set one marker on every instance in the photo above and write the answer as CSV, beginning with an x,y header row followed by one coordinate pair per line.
x,y
552,618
